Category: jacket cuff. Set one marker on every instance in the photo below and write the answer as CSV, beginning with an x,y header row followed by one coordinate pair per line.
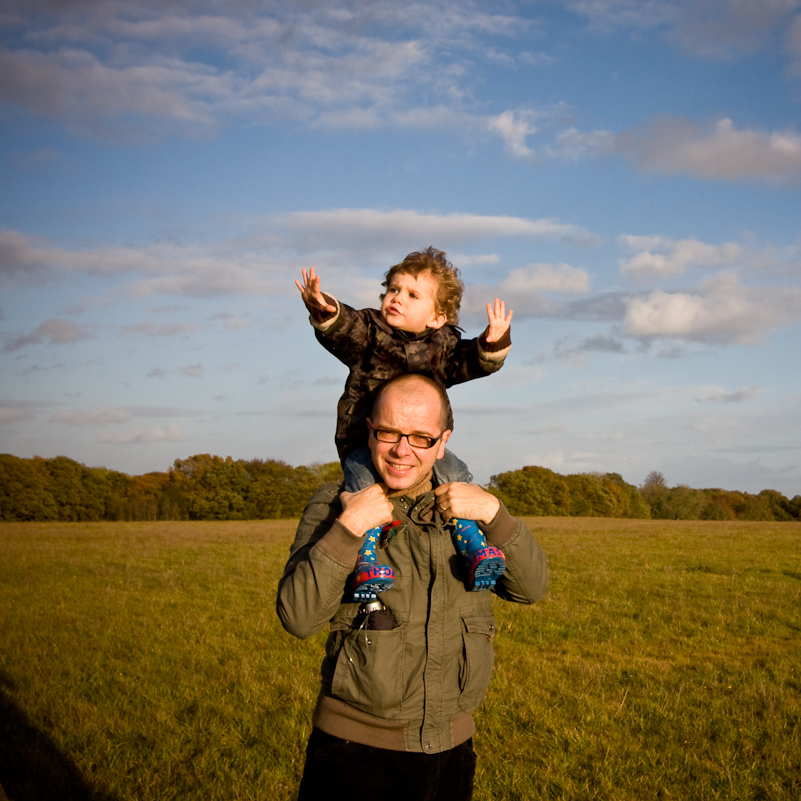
x,y
501,529
494,353
321,319
341,544
504,343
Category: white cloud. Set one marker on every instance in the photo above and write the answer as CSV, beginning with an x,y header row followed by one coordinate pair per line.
x,y
722,312
544,278
401,226
673,145
523,291
514,127
662,257
172,432
90,417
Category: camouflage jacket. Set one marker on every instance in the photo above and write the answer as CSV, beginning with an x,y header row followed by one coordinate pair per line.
x,y
374,352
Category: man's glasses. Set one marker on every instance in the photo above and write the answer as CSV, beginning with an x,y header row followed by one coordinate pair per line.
x,y
415,440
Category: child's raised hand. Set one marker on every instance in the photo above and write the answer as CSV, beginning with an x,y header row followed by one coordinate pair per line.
x,y
499,320
310,291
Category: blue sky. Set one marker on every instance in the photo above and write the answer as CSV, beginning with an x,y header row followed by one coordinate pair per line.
x,y
623,173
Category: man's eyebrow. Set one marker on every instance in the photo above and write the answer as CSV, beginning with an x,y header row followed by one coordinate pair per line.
x,y
418,432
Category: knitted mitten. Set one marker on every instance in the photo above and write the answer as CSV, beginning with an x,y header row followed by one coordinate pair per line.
x,y
485,564
370,577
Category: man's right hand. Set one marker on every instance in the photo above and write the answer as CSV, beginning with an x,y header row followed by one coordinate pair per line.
x,y
310,291
365,509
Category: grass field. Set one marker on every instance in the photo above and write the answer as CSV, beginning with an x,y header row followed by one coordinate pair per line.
x,y
145,661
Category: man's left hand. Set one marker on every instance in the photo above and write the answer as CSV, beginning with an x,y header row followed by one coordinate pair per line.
x,y
466,501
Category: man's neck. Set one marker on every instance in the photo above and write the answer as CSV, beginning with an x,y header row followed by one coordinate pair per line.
x,y
421,488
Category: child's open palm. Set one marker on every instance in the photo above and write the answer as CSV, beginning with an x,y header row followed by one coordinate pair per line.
x,y
499,320
310,291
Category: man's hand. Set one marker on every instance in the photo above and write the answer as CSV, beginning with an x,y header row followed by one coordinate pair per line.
x,y
310,291
499,320
365,509
466,501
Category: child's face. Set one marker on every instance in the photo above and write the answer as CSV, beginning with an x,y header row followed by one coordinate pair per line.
x,y
410,303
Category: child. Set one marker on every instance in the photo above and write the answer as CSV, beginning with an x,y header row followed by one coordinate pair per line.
x,y
415,331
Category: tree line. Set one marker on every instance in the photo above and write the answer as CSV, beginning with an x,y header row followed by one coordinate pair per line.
x,y
539,491
202,487
206,487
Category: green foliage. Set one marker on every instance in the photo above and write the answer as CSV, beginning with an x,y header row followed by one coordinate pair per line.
x,y
202,487
206,487
537,491
24,490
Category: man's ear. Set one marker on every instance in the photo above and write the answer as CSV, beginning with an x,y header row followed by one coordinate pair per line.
x,y
446,435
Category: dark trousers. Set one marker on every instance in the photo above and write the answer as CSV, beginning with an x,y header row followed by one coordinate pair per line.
x,y
339,770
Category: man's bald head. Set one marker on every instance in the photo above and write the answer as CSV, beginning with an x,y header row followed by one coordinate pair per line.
x,y
416,386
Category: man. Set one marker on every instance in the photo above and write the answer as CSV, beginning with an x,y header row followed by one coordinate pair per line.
x,y
399,685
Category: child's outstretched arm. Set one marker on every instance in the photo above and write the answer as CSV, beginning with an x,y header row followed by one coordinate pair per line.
x,y
311,294
499,321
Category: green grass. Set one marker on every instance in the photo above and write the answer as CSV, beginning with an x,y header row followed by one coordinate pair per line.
x,y
145,661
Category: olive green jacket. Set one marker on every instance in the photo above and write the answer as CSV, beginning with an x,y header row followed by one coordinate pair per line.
x,y
412,688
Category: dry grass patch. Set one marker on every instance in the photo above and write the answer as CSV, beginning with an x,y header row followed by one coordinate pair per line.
x,y
145,661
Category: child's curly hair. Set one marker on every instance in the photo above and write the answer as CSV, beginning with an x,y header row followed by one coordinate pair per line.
x,y
450,286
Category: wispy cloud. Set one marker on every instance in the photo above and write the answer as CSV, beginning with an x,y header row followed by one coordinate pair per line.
x,y
172,432
258,265
721,396
136,71
716,29
165,330
674,145
90,417
55,331
405,225
15,414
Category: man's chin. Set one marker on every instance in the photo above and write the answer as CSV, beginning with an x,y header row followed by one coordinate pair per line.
x,y
398,479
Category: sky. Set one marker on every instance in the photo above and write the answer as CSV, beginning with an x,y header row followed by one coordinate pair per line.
x,y
624,174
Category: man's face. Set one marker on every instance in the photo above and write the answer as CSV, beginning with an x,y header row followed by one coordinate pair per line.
x,y
410,303
400,465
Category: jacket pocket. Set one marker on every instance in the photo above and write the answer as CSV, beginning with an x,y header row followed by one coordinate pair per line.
x,y
478,657
369,670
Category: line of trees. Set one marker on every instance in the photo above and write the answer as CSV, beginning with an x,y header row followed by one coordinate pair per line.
x,y
205,487
539,491
202,487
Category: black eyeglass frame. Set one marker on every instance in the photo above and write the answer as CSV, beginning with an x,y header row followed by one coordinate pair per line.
x,y
396,436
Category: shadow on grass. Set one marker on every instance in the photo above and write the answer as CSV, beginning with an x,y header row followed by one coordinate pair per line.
x,y
32,768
